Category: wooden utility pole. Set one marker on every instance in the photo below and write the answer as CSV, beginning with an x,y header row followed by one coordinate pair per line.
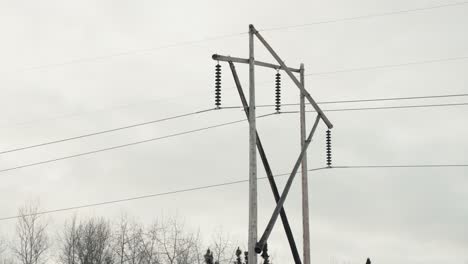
x,y
305,184
252,154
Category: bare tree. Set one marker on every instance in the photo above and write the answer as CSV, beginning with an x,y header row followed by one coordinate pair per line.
x,y
151,244
177,245
88,242
3,247
129,242
31,240
68,243
120,240
222,247
94,242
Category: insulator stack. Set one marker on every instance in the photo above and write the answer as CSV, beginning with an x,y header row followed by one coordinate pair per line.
x,y
329,150
218,86
278,92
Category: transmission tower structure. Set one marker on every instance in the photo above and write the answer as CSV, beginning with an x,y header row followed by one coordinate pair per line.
x,y
256,244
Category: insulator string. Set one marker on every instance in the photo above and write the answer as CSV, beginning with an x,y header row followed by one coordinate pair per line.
x,y
218,86
329,150
278,92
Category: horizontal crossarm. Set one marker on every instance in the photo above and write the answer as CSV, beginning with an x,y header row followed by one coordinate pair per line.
x,y
217,57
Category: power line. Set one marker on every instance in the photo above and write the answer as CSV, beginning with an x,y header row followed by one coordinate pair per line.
x,y
126,53
401,166
312,74
395,98
376,67
127,145
393,107
106,131
240,107
215,126
365,100
379,108
405,11
230,183
149,196
105,109
192,42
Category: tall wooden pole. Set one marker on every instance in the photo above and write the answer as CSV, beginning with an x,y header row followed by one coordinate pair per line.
x,y
252,257
305,186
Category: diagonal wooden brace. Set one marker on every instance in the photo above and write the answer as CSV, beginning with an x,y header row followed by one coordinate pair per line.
x,y
268,171
287,187
293,78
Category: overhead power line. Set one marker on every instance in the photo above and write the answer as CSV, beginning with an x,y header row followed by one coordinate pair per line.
x,y
127,53
395,98
215,126
240,107
148,196
365,100
203,187
383,14
127,145
401,166
391,107
379,108
219,37
363,108
106,131
384,66
309,75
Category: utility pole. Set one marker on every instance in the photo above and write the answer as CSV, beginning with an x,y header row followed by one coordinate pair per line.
x,y
305,184
252,237
257,246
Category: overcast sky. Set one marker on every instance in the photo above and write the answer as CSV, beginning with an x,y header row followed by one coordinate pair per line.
x,y
50,89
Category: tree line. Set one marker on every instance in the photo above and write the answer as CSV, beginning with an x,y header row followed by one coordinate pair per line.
x,y
96,240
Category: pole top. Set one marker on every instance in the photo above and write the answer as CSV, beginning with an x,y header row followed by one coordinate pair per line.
x,y
252,29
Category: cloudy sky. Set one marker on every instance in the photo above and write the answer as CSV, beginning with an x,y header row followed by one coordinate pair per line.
x,y
69,68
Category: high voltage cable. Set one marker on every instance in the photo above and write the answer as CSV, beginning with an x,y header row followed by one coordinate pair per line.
x,y
127,145
232,183
399,12
104,109
390,107
192,42
317,74
126,53
211,127
384,66
394,98
400,166
150,195
364,100
106,131
230,107
366,108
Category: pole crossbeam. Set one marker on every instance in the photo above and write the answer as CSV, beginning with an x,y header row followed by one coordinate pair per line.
x,y
218,57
